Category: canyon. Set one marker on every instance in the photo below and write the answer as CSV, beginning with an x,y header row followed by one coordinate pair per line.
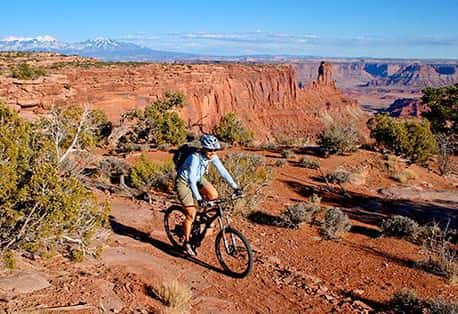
x,y
267,97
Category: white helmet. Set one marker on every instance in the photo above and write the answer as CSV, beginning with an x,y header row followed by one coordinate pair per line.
x,y
210,142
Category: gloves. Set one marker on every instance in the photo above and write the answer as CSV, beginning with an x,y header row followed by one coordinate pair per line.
x,y
238,192
202,203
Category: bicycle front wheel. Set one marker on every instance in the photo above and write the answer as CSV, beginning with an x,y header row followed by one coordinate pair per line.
x,y
173,225
234,252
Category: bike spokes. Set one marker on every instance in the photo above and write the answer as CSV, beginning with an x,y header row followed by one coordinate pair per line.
x,y
234,252
173,223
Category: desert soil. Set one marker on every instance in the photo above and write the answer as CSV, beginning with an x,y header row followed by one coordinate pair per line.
x,y
295,271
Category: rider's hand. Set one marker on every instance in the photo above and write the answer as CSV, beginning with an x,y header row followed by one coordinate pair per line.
x,y
238,192
202,203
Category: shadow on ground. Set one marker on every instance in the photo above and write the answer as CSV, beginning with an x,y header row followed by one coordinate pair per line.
x,y
373,209
138,235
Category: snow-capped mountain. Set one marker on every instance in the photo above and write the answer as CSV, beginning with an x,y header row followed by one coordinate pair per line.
x,y
103,48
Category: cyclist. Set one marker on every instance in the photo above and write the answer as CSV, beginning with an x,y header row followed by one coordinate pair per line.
x,y
191,183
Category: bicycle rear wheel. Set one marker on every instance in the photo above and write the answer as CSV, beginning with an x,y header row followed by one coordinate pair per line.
x,y
234,252
173,225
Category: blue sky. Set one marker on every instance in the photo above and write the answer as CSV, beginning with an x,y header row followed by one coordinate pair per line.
x,y
374,28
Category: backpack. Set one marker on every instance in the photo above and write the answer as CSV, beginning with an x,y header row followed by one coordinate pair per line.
x,y
183,152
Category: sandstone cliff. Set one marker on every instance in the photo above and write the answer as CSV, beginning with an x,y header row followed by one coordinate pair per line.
x,y
266,97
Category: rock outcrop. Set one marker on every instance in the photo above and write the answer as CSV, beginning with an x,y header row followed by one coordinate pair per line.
x,y
406,107
266,97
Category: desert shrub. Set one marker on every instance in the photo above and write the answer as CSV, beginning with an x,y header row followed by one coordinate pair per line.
x,y
410,138
442,306
232,130
303,212
147,174
391,164
9,260
309,163
338,176
174,296
77,255
272,147
335,222
24,71
281,162
251,173
406,301
339,139
443,107
400,226
65,124
285,139
288,153
38,205
441,256
404,176
158,123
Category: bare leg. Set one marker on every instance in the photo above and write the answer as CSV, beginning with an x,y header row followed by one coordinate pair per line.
x,y
190,212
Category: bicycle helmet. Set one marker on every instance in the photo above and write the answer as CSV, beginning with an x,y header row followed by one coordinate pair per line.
x,y
210,142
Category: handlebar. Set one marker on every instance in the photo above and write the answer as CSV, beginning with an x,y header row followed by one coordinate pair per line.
x,y
233,197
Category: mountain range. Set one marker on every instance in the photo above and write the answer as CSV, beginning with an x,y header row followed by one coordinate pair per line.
x,y
103,48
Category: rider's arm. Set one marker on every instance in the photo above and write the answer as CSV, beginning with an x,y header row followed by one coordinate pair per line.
x,y
223,172
194,176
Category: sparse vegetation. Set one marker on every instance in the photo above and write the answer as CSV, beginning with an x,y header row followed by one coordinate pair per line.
x,y
232,130
400,226
338,176
77,255
339,139
147,174
410,138
175,296
405,176
335,223
406,301
303,212
288,154
281,162
24,71
441,256
9,260
251,173
309,163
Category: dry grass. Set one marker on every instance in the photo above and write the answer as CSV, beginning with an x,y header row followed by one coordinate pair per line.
x,y
175,296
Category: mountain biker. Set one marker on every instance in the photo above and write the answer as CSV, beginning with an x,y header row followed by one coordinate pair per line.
x,y
191,183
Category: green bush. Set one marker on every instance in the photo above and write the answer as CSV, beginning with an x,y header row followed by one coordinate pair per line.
x,y
9,260
24,71
335,222
400,226
40,207
410,138
251,173
232,130
147,174
339,139
158,123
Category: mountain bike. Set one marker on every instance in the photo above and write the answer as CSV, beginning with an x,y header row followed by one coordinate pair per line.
x,y
232,249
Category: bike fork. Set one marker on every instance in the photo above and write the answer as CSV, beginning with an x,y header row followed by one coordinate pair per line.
x,y
227,245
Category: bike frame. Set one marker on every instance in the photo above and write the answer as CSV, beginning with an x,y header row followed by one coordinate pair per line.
x,y
223,221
